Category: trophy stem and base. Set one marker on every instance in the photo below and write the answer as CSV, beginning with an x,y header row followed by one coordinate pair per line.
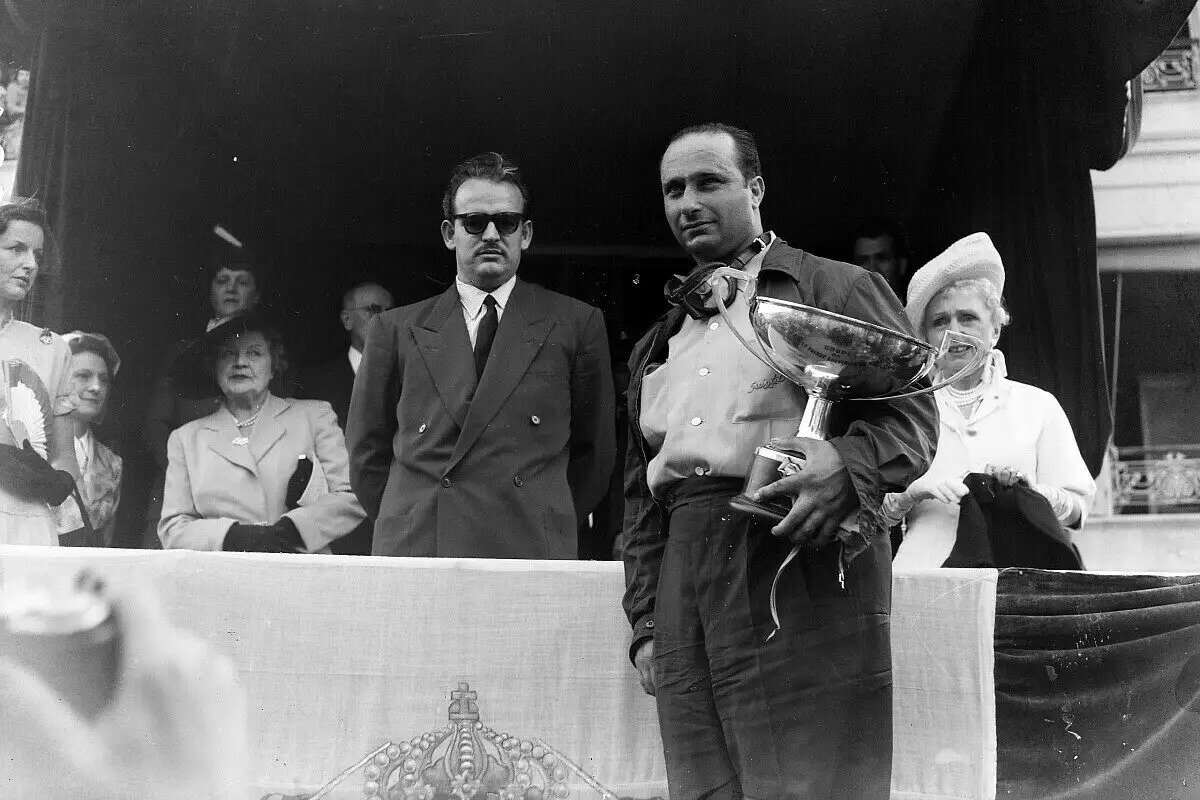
x,y
772,463
832,357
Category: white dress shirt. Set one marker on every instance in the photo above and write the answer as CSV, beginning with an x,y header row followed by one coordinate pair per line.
x,y
472,303
712,403
355,357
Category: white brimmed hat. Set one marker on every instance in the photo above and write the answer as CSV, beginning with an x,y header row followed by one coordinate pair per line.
x,y
972,256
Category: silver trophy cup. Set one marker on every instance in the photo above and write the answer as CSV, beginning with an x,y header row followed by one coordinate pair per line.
x,y
834,358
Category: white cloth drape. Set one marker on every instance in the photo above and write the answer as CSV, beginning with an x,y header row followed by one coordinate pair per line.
x,y
340,655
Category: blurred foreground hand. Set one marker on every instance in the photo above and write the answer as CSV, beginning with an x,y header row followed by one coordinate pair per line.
x,y
176,726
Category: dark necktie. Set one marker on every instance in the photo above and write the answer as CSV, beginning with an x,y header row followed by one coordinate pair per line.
x,y
485,335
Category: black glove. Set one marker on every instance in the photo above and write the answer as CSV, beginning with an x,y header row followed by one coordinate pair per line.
x,y
282,537
285,530
30,477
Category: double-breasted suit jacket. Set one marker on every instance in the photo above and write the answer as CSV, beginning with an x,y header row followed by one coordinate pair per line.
x,y
213,483
499,467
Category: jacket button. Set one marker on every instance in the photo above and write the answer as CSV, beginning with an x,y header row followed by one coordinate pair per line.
x,y
518,481
446,482
650,624
535,419
422,428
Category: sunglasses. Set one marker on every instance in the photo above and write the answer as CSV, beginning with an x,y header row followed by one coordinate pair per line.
x,y
506,222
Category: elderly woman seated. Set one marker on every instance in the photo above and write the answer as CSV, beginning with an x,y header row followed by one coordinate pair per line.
x,y
989,424
262,473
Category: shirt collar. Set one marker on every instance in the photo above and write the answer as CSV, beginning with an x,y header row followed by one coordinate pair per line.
x,y
355,357
215,321
471,297
995,375
755,264
83,448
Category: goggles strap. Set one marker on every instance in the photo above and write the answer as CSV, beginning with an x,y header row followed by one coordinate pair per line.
x,y
693,293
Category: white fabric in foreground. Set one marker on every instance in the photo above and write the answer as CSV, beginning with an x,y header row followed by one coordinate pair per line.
x,y
340,655
943,660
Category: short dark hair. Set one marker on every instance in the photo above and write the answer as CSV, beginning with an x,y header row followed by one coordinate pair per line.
x,y
27,209
877,227
236,259
744,146
241,324
226,256
495,167
81,342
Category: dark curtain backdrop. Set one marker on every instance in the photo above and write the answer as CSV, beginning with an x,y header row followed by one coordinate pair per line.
x,y
1042,103
1097,686
116,147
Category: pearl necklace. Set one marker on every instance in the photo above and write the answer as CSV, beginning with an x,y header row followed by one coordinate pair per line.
x,y
242,441
250,420
966,397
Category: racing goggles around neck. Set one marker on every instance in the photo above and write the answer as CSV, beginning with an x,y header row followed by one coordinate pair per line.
x,y
506,222
694,294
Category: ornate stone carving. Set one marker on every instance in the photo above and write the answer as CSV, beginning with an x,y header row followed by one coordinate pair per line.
x,y
1174,70
1173,480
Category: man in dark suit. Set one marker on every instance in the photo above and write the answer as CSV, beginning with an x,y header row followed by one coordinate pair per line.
x,y
333,382
482,419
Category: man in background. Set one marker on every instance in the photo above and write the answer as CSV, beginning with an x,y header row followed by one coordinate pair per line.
x,y
333,381
879,245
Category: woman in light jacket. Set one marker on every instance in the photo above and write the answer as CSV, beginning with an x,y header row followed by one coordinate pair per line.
x,y
262,473
989,423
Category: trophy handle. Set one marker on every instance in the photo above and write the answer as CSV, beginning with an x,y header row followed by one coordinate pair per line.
x,y
729,273
949,339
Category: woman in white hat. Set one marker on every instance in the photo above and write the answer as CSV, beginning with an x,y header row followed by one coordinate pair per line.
x,y
989,423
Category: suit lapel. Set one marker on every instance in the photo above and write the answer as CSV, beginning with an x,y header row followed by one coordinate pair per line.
x,y
221,431
268,429
522,331
442,340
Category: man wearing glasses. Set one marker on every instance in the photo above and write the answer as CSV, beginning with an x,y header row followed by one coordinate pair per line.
x,y
481,424
334,381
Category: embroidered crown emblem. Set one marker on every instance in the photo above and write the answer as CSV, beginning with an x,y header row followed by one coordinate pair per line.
x,y
465,760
